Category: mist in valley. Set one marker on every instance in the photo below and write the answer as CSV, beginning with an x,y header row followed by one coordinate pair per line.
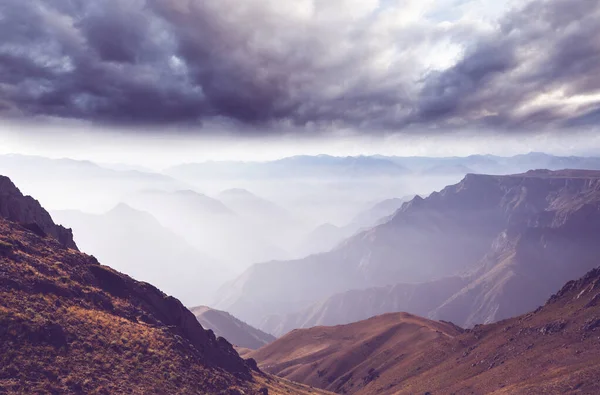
x,y
192,229
190,232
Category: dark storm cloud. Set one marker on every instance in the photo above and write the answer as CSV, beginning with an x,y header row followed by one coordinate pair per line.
x,y
262,63
545,47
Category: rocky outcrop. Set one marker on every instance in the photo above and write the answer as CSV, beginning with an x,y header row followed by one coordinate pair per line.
x,y
27,211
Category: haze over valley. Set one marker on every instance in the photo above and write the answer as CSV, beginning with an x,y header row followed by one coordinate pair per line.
x,y
258,197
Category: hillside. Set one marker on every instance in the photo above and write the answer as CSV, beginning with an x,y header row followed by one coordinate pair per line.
x,y
552,350
70,325
499,233
347,358
227,326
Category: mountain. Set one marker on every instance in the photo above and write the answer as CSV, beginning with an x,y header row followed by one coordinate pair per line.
x,y
359,304
276,224
492,164
71,325
327,236
136,244
62,184
378,213
235,331
552,350
208,225
27,211
303,166
498,233
345,358
323,238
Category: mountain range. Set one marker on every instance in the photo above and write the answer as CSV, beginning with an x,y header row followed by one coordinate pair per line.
x,y
209,226
71,325
487,248
135,243
551,350
326,166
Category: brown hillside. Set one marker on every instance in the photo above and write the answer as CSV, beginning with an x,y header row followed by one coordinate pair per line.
x,y
69,325
348,358
553,350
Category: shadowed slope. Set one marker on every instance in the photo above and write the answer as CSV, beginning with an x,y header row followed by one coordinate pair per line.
x,y
553,350
69,325
348,358
235,331
492,246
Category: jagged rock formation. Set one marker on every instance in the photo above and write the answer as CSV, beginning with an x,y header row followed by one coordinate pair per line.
x,y
227,326
552,350
28,212
512,240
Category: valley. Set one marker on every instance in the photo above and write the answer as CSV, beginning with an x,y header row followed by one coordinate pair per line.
x,y
393,304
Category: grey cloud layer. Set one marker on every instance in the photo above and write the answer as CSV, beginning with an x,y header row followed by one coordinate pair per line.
x,y
264,63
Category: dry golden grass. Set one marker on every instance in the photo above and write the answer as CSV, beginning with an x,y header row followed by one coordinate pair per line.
x,y
71,326
554,350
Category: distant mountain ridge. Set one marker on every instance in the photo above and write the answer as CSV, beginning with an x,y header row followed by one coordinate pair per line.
x,y
494,232
135,243
380,165
227,326
70,325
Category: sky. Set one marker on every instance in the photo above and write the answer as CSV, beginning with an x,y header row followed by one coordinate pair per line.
x,y
267,78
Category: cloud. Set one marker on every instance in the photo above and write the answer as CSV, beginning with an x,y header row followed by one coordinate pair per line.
x,y
387,65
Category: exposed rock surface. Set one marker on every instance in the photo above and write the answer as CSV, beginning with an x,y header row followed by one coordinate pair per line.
x,y
28,212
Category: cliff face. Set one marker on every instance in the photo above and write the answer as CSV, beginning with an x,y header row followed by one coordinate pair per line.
x,y
512,239
28,212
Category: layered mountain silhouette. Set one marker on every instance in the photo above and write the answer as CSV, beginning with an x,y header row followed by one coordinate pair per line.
x,y
552,350
235,331
273,222
509,241
208,225
135,243
327,236
82,185
71,325
303,166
